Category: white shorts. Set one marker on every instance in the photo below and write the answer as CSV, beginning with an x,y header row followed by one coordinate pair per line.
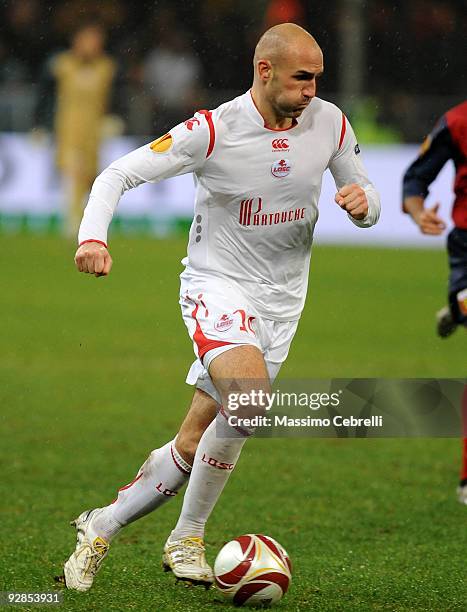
x,y
218,318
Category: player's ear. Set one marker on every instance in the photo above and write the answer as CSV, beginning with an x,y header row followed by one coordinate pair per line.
x,y
264,69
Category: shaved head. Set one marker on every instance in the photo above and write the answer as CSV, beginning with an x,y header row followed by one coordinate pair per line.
x,y
283,41
287,62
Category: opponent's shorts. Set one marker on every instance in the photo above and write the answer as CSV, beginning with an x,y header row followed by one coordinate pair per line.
x,y
218,318
457,251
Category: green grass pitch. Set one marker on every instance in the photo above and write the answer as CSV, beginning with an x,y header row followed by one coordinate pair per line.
x,y
92,379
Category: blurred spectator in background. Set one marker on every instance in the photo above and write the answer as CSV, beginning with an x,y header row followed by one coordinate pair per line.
x,y
172,76
83,77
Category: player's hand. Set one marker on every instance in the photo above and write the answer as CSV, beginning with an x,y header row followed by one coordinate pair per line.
x,y
429,222
93,258
352,198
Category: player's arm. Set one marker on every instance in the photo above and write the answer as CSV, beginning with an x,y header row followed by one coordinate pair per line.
x,y
184,149
355,192
435,152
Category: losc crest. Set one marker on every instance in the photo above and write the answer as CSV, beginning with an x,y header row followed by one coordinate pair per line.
x,y
280,168
224,323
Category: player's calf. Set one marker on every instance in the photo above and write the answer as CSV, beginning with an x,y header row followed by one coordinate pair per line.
x,y
202,412
157,481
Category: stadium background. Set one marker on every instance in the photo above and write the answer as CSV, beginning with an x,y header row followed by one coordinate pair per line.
x,y
91,370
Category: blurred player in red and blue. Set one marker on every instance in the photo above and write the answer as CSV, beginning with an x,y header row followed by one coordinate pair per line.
x,y
448,140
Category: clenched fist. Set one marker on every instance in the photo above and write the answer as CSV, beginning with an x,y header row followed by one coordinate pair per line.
x,y
93,258
352,198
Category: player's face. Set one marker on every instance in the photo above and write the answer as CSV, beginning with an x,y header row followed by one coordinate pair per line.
x,y
293,82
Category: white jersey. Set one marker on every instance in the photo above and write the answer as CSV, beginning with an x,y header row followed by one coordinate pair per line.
x,y
257,194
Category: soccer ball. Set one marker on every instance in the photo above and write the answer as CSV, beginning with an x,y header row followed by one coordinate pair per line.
x,y
253,570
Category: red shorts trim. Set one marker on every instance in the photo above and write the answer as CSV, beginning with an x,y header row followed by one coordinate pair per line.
x,y
204,344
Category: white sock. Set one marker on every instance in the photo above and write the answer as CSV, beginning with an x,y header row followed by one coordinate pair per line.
x,y
159,479
216,456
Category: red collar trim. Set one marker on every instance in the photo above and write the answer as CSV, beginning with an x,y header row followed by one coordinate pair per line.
x,y
294,121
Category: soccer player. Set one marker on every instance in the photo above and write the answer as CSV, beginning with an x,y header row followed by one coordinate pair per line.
x,y
258,162
448,140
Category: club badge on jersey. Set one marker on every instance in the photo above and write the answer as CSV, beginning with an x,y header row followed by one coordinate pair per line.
x,y
280,168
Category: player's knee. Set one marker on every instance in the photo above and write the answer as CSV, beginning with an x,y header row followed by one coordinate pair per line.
x,y
241,377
